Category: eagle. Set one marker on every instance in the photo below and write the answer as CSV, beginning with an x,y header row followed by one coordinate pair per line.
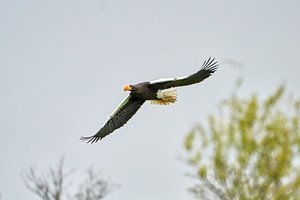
x,y
161,91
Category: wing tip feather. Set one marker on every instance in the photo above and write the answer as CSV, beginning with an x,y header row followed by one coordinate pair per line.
x,y
90,139
210,64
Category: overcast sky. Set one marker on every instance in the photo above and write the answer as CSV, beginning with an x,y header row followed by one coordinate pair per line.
x,y
63,65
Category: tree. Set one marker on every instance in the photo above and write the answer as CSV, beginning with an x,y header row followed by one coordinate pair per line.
x,y
250,150
53,185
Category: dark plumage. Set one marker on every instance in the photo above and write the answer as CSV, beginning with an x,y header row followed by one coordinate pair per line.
x,y
156,91
118,119
209,66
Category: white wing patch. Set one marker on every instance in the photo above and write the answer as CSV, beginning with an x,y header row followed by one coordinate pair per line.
x,y
119,106
161,80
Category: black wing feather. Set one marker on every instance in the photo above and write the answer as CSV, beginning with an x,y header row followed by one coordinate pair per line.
x,y
120,118
208,67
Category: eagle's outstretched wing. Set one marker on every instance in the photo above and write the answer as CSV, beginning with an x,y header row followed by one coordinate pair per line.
x,y
128,107
209,66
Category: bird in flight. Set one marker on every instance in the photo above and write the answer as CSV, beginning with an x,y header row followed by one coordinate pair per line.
x,y
161,91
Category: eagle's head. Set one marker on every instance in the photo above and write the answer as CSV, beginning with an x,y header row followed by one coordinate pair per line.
x,y
128,88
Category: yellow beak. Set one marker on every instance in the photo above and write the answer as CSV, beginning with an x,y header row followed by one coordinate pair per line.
x,y
127,88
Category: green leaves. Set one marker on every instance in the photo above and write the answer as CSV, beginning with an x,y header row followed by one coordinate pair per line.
x,y
252,151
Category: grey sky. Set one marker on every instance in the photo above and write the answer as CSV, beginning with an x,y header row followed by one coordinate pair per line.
x,y
63,64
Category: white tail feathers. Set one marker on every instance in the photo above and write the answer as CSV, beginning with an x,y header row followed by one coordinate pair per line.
x,y
165,97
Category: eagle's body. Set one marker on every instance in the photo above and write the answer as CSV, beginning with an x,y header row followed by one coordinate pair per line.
x,y
143,91
160,91
146,91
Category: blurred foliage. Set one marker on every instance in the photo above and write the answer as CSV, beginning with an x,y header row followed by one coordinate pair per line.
x,y
249,151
